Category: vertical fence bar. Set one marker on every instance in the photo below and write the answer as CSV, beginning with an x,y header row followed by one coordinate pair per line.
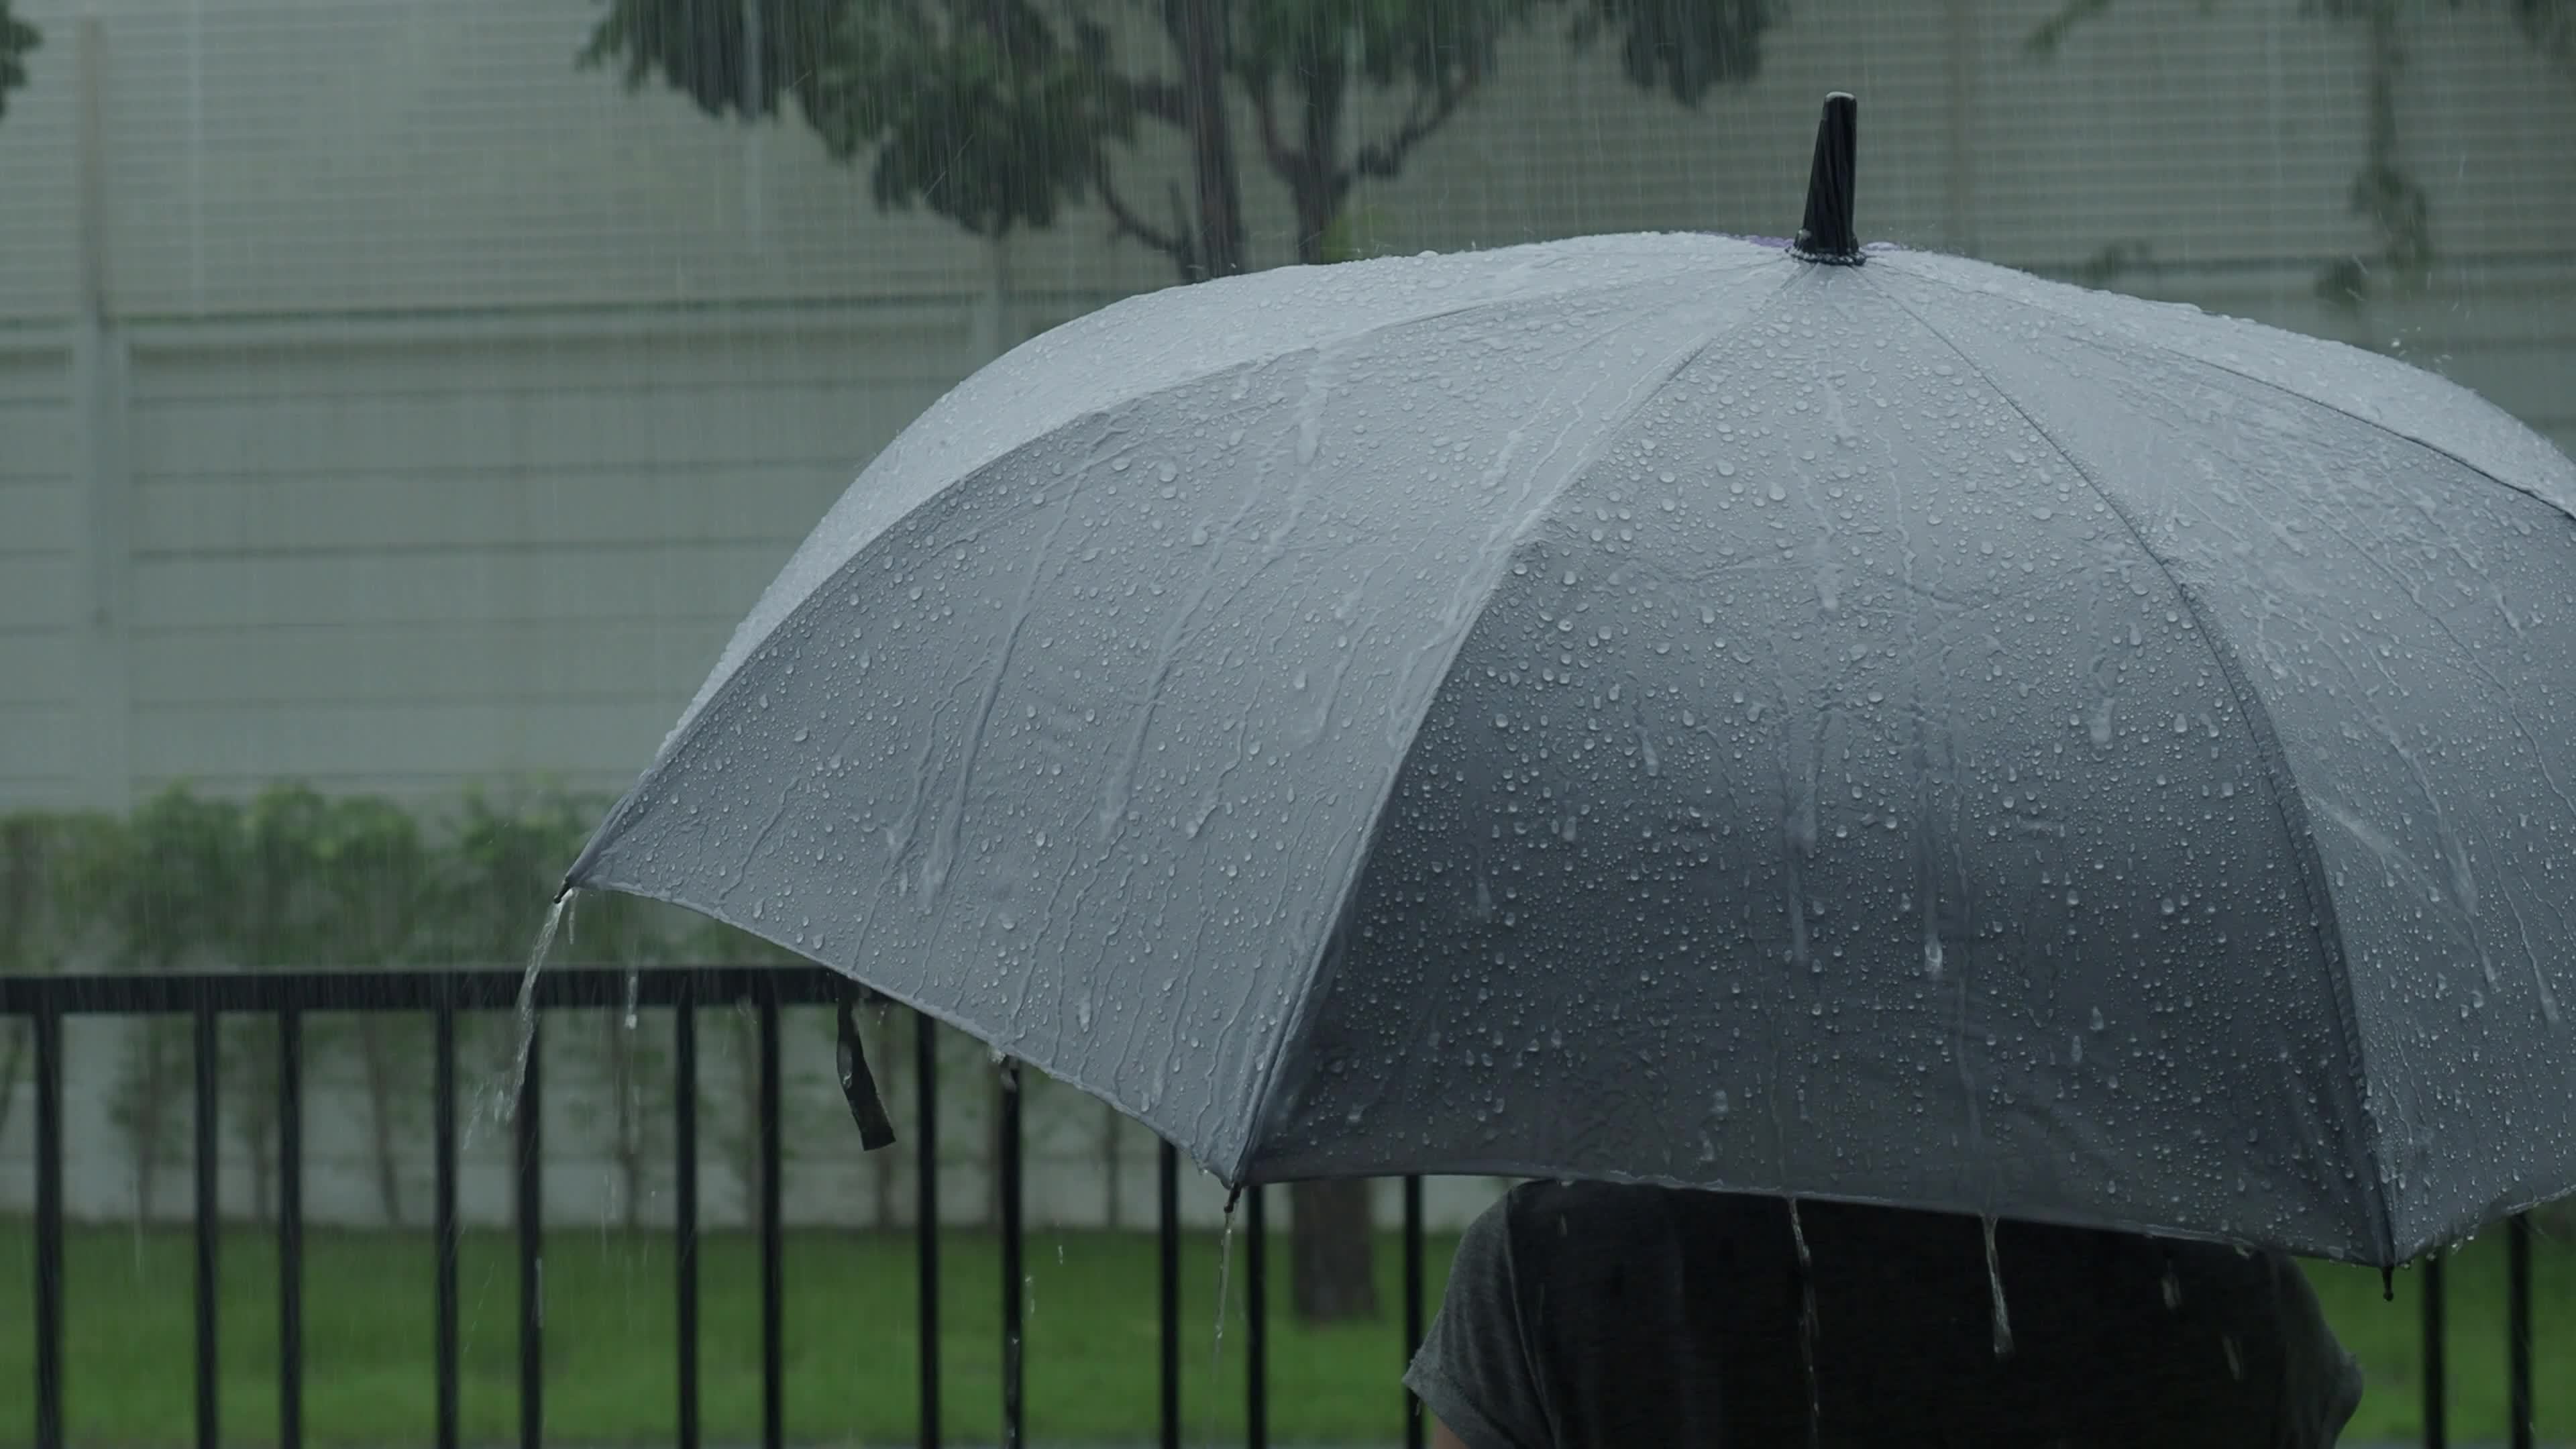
x,y
1168,1192
290,1228
1256,1312
1014,1277
49,1228
531,1119
925,1213
1413,1295
2517,1319
684,1205
773,1376
209,1224
443,1132
2437,1379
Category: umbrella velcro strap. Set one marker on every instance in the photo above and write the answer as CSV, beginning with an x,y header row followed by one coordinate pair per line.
x,y
858,1086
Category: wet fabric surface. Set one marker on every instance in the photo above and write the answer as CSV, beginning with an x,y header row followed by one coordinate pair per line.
x,y
1651,709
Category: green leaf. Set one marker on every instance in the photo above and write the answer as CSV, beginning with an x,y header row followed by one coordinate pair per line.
x,y
17,39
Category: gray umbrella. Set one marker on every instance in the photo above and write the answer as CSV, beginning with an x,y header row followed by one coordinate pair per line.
x,y
1794,719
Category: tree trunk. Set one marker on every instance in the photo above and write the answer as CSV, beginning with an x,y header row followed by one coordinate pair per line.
x,y
1113,1124
17,907
12,1066
747,1143
263,1162
1333,1259
1199,32
997,1089
151,1120
375,1059
889,1058
1333,1253
250,1083
881,1191
1315,179
628,1144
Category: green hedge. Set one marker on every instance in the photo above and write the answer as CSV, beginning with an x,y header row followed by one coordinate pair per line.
x,y
291,878
294,879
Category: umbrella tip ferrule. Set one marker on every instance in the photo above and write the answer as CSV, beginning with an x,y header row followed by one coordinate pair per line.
x,y
1827,236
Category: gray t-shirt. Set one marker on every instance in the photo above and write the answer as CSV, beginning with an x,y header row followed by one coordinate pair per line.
x,y
1589,1316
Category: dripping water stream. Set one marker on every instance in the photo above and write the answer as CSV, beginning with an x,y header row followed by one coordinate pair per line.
x,y
558,916
1995,1285
1807,1325
1224,1300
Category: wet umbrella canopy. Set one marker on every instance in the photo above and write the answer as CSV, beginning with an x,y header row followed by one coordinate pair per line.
x,y
1800,719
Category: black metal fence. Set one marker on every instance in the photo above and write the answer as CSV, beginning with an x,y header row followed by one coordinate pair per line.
x,y
286,997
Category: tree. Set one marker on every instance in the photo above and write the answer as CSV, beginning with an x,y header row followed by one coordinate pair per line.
x,y
375,871
999,114
2383,192
506,864
43,923
166,888
22,894
17,38
280,923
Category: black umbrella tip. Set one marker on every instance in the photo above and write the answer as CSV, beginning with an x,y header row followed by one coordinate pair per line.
x,y
1827,235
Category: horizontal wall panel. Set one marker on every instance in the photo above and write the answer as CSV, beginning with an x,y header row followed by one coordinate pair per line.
x,y
37,517
37,757
713,426
432,788
36,667
631,350
364,156
37,592
38,428
420,663
677,580
40,178
748,501
354,741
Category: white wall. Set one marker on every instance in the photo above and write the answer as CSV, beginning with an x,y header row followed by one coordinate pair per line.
x,y
392,405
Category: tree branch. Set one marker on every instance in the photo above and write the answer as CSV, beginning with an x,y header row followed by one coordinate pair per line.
x,y
2049,34
1124,222
1385,158
1160,99
1265,107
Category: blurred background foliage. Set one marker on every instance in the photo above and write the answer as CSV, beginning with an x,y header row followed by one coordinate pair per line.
x,y
293,879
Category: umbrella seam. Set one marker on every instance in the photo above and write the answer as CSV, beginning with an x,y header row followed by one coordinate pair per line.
x,y
585,871
698,706
2281,782
2132,335
633,802
1310,1000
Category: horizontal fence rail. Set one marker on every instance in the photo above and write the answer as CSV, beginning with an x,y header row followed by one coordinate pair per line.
x,y
289,997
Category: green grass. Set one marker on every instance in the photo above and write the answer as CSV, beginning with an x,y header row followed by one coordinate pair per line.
x,y
851,1365
852,1369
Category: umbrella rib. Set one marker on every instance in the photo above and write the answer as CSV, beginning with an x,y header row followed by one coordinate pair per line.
x,y
2280,783
2131,335
1309,1002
